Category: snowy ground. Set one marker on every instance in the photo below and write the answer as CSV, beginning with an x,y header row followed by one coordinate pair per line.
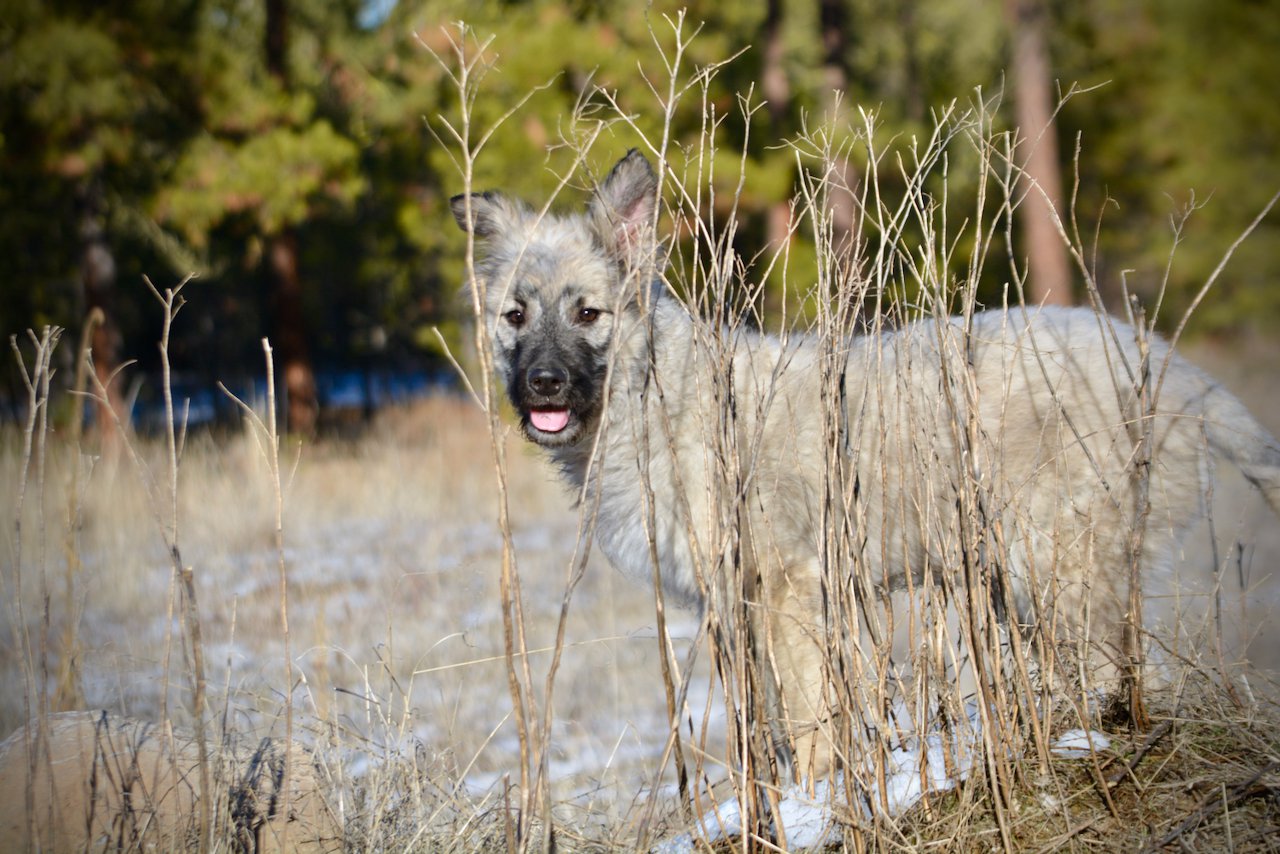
x,y
393,557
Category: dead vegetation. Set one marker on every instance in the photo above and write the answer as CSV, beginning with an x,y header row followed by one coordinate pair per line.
x,y
411,762
102,782
438,709
1203,778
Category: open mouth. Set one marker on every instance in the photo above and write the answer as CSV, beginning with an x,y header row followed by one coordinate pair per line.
x,y
549,420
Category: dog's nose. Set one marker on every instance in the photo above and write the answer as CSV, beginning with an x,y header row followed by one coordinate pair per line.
x,y
547,381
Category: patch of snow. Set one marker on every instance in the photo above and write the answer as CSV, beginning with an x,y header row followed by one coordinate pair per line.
x,y
719,823
915,771
1079,744
805,820
916,768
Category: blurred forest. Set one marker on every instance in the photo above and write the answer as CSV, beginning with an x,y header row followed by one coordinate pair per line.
x,y
284,152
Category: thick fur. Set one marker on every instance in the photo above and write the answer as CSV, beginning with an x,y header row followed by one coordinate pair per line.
x,y
1036,407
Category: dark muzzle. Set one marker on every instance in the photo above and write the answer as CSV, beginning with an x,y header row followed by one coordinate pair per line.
x,y
546,383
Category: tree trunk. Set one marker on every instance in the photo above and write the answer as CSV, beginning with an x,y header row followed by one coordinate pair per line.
x,y
773,77
1048,267
843,181
276,41
777,92
98,283
290,332
293,354
841,176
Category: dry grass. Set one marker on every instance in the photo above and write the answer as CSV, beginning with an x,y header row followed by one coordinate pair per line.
x,y
393,560
392,556
1205,778
462,689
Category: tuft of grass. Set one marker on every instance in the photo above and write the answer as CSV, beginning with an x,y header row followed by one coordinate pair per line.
x,y
1204,778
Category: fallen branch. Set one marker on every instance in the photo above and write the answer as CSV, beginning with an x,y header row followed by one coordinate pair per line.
x,y
1213,803
1152,738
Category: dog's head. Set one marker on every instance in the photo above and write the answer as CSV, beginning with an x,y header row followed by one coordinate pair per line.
x,y
557,291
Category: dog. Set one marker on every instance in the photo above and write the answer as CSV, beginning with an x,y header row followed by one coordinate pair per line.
x,y
1040,412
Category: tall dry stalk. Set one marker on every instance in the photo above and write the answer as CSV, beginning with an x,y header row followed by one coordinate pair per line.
x,y
466,65
162,496
36,379
70,688
694,197
266,435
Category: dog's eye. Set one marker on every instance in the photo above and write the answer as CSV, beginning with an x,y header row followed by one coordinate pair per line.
x,y
588,315
515,317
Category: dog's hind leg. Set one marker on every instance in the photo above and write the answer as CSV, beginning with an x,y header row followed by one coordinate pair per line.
x,y
791,648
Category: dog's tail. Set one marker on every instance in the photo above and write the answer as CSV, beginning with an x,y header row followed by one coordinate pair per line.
x,y
1234,433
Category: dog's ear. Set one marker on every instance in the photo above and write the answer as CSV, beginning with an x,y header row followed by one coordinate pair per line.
x,y
622,210
490,213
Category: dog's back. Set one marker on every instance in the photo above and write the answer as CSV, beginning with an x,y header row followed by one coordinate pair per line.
x,y
1046,417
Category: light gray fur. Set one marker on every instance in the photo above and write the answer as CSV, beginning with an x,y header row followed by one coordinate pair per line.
x,y
1051,390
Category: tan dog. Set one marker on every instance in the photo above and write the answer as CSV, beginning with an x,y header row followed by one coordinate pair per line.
x,y
1034,412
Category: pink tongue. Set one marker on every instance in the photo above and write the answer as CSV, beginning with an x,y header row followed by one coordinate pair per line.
x,y
549,420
